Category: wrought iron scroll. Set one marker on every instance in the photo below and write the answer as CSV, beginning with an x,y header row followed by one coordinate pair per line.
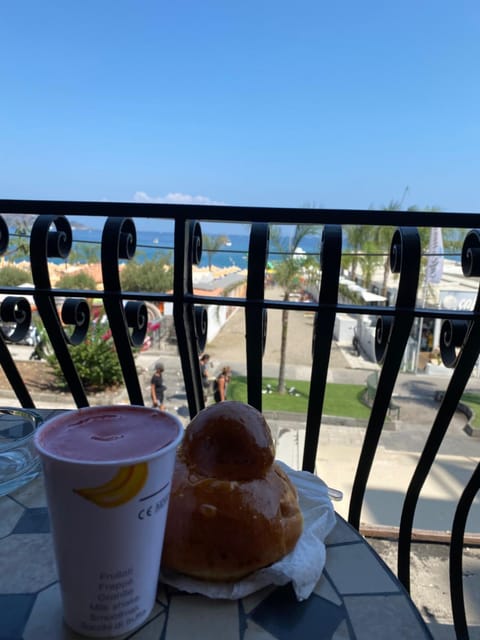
x,y
255,314
16,310
4,236
190,332
51,237
324,323
456,555
454,332
454,335
201,315
391,338
128,320
201,327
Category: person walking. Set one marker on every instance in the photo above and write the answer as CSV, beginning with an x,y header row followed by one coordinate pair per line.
x,y
204,367
221,384
157,387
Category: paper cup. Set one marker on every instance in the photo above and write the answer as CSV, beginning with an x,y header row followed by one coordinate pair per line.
x,y
108,515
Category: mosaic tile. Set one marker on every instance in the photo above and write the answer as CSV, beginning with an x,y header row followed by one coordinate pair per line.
x,y
343,633
26,563
162,595
33,521
154,626
250,602
284,617
46,620
369,575
11,513
380,617
254,632
31,495
14,610
188,617
341,533
325,590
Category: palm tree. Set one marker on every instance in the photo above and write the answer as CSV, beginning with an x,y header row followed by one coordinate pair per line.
x,y
357,236
21,233
369,261
364,239
212,244
383,236
287,275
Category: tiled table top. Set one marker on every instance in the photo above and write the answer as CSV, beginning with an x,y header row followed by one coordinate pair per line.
x,y
357,596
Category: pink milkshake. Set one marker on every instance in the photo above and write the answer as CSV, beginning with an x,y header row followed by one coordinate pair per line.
x,y
108,472
107,434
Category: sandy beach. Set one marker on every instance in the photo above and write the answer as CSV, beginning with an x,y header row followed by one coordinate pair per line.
x,y
229,345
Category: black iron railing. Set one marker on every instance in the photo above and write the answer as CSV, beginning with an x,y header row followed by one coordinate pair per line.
x,y
52,236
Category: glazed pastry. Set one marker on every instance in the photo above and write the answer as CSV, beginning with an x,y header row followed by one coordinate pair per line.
x,y
232,509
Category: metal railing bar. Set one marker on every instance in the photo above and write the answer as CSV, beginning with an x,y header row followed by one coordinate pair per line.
x,y
14,377
44,245
186,249
255,315
456,554
247,215
272,252
322,341
464,363
456,386
341,308
391,341
113,250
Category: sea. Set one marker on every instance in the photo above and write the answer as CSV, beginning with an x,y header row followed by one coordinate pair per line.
x,y
154,244
151,245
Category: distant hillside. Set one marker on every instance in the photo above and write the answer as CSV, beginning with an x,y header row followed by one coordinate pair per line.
x,y
21,220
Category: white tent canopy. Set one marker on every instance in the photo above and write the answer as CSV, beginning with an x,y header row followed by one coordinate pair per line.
x,y
368,296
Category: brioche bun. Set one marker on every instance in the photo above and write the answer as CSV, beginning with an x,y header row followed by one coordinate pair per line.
x,y
232,509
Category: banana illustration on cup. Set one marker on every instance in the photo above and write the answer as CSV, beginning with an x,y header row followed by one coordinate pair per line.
x,y
124,486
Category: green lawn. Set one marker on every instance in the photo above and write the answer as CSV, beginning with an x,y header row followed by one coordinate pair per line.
x,y
340,399
473,401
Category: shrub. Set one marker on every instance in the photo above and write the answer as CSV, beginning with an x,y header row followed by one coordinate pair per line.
x,y
13,276
95,360
151,275
79,280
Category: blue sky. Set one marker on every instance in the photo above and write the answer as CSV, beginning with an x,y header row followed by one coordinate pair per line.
x,y
338,104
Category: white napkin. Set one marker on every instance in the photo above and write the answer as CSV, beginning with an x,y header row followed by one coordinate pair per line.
x,y
303,566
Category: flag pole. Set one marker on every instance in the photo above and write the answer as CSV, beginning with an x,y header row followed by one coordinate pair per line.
x,y
433,275
420,324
